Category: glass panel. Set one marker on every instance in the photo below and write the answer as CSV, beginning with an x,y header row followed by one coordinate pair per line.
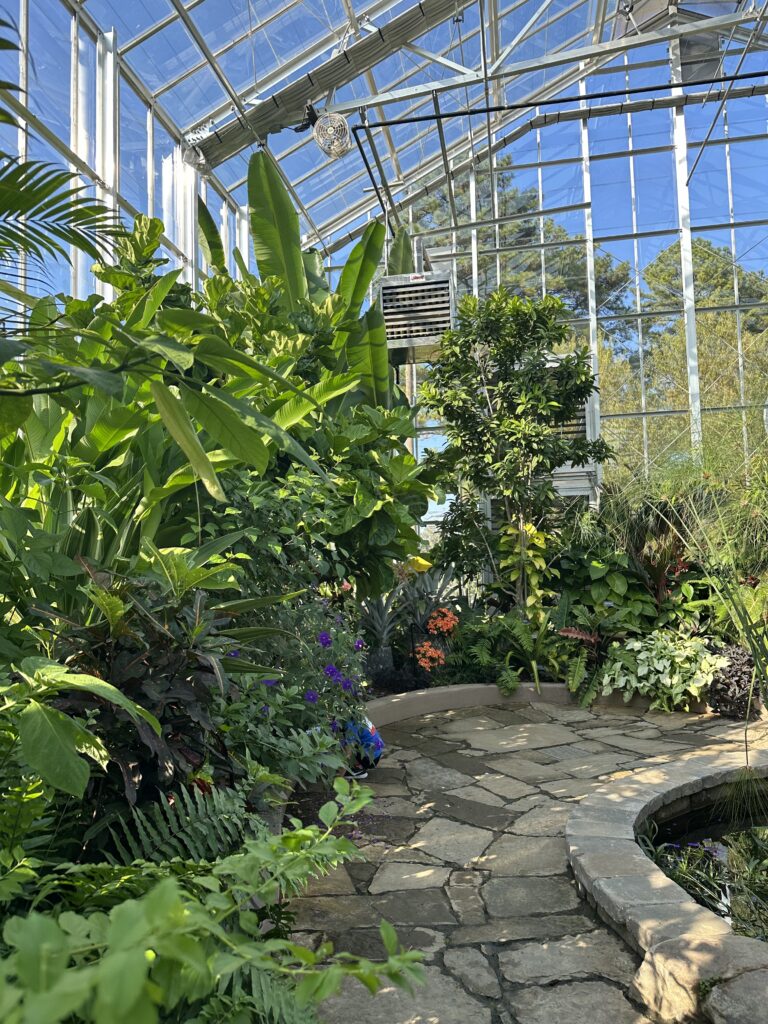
x,y
133,148
612,201
50,60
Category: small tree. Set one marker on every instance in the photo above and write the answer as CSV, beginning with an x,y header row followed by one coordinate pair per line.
x,y
505,397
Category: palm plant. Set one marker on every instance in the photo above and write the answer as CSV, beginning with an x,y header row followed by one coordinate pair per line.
x,y
44,210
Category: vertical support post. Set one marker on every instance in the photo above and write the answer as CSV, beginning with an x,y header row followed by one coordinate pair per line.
x,y
736,299
180,210
106,120
151,160
107,109
540,198
473,233
243,236
78,141
23,138
593,407
638,288
686,253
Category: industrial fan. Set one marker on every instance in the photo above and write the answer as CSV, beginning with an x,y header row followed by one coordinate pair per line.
x,y
331,133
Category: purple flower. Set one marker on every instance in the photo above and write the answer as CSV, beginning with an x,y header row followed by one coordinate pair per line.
x,y
269,682
359,644
265,709
346,685
324,639
233,654
311,696
334,725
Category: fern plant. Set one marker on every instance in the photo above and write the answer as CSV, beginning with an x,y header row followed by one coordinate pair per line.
x,y
190,825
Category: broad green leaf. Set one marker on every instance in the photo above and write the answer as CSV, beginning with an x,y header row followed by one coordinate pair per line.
x,y
248,604
360,267
13,412
173,351
184,323
236,666
181,430
296,409
275,229
49,746
227,429
252,418
256,633
617,582
317,284
110,693
221,356
368,356
214,547
209,239
41,950
401,254
152,301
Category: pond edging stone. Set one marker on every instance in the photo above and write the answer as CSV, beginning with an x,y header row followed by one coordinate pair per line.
x,y
694,966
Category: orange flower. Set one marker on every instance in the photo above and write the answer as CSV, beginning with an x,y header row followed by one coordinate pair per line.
x,y
429,656
442,621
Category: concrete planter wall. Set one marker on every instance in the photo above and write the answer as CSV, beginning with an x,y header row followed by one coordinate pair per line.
x,y
399,706
694,967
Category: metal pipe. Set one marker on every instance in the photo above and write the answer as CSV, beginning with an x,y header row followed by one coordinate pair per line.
x,y
631,91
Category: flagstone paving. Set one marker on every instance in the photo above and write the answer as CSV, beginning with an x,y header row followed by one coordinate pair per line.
x,y
465,855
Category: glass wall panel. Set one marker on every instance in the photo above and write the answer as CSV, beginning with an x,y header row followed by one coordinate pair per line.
x,y
50,60
611,196
133,147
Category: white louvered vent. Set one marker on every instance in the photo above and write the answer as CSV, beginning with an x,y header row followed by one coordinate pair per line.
x,y
417,309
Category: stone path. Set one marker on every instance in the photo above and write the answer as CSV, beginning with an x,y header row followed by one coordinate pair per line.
x,y
465,855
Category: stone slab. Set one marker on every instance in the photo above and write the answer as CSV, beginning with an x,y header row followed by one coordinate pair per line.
x,y
594,1001
440,1000
420,907
573,958
525,897
525,770
504,786
478,794
471,812
741,1000
547,820
401,876
517,929
426,774
336,882
473,971
524,855
522,737
451,841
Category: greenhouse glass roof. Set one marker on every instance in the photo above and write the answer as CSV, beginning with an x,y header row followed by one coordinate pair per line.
x,y
236,74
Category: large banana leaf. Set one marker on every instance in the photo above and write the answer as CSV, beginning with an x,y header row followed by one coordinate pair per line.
x,y
368,357
360,267
180,428
401,254
317,283
258,421
275,230
296,409
209,238
227,428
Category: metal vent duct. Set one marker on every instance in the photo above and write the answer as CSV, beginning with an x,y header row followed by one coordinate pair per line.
x,y
417,310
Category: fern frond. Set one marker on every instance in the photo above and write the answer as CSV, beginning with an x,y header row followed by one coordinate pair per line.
x,y
522,635
191,826
576,671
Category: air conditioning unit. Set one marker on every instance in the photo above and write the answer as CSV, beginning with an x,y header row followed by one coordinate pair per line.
x,y
418,309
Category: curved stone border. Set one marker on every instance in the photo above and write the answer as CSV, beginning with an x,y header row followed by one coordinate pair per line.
x,y
399,706
693,962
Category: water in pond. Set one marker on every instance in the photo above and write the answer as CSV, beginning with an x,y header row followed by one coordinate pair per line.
x,y
722,865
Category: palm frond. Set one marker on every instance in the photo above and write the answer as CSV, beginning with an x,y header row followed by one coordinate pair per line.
x,y
44,210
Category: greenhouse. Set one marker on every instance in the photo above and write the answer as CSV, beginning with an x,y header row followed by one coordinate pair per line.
x,y
383,511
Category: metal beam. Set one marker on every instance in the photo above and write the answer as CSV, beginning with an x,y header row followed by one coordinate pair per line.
x,y
559,58
286,107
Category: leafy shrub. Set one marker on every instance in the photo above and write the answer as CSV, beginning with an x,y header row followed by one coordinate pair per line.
x,y
671,669
733,692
